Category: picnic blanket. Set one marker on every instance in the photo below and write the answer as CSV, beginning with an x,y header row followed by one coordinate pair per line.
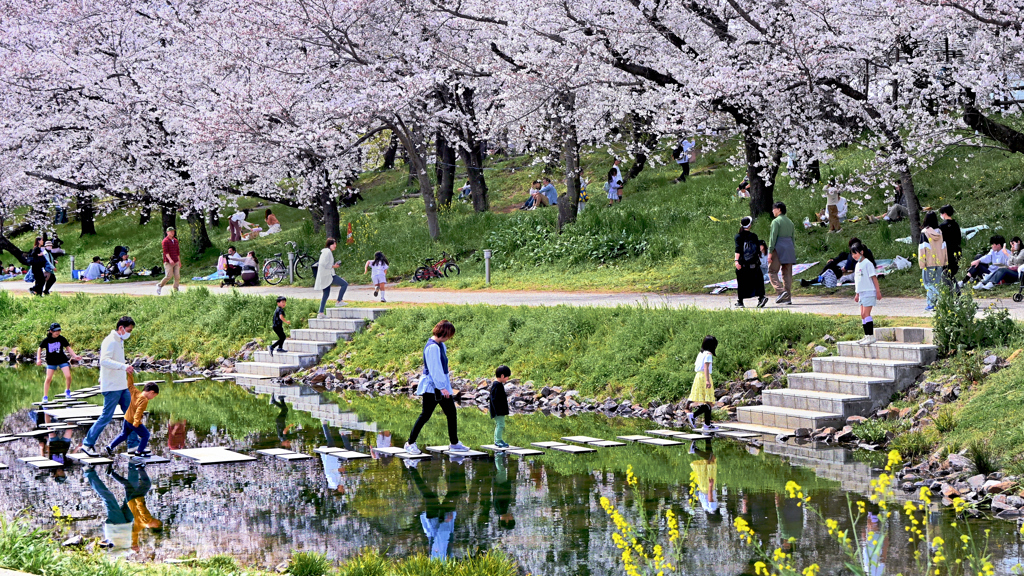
x,y
967,233
731,284
218,275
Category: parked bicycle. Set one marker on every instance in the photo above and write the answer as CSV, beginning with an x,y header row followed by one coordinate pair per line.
x,y
443,268
276,269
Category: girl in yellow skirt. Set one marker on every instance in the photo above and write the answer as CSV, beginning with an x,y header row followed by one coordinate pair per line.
x,y
705,478
703,391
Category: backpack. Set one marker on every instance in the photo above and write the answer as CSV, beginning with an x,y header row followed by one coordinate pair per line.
x,y
751,252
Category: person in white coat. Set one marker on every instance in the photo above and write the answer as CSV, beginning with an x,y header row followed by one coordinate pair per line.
x,y
325,276
114,372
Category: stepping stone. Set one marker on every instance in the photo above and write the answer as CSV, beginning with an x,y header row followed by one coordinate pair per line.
x,y
407,456
660,442
573,449
465,453
284,454
85,422
32,434
349,455
547,444
27,459
581,439
212,455
184,380
3,466
606,443
328,450
222,378
392,450
634,438
666,433
6,439
147,460
525,452
739,434
694,437
494,448
84,458
56,427
45,464
436,449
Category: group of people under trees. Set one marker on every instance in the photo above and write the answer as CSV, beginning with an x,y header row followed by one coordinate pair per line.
x,y
237,221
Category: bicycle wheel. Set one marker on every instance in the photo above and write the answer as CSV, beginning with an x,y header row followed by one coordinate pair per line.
x,y
274,271
422,273
451,268
302,263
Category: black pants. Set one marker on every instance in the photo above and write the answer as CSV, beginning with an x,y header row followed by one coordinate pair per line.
x,y
430,401
279,330
749,282
704,409
40,280
686,171
51,279
978,272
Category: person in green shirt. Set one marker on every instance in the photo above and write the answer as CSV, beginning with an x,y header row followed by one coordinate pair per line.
x,y
781,254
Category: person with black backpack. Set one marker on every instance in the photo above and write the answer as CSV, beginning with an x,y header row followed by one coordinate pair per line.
x,y
749,280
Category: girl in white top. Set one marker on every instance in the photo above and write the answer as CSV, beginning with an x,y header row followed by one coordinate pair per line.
x,y
866,286
703,390
378,268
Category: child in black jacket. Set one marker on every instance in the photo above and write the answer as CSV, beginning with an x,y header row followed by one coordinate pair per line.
x,y
499,404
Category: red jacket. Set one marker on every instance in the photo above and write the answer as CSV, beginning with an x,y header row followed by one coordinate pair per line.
x,y
170,246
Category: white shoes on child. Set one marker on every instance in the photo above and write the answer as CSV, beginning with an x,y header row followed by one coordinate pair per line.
x,y
867,340
984,286
412,449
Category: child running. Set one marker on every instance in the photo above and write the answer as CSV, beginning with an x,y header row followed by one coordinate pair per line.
x,y
498,404
278,322
865,283
612,186
133,417
379,268
702,391
53,346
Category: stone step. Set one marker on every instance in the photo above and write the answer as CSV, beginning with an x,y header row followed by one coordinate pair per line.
x,y
346,312
787,417
868,386
253,381
301,359
308,346
907,335
902,372
265,368
289,392
756,428
826,455
922,354
321,335
815,401
342,324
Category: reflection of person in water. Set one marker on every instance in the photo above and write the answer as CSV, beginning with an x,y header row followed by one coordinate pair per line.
x,y
333,469
706,468
280,421
117,530
177,432
874,547
791,521
54,446
438,517
502,490
135,490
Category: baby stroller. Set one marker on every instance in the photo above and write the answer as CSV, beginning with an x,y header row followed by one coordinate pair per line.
x,y
115,259
233,271
1019,296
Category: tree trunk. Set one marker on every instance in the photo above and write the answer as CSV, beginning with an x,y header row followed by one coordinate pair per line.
x,y
477,184
643,143
6,244
329,201
913,205
215,218
568,203
168,218
86,214
1012,139
444,172
762,192
200,237
412,165
412,141
390,153
145,215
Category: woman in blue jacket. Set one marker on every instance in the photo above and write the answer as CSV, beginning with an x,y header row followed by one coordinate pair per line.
x,y
436,388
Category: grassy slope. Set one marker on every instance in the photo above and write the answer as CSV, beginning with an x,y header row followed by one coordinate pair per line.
x,y
674,243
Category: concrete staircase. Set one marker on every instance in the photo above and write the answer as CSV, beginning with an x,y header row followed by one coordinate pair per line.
x,y
859,381
831,462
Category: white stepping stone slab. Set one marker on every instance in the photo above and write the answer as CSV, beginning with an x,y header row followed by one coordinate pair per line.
x,y
86,459
3,466
660,442
606,443
573,449
581,439
465,453
27,459
56,427
392,450
666,433
40,462
283,454
634,438
6,439
494,448
694,437
327,450
349,455
437,449
32,434
147,460
213,455
547,444
525,452
89,411
407,456
184,380
739,434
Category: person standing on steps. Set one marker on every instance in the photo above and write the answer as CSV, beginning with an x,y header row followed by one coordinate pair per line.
x,y
53,348
436,388
953,238
498,404
749,281
703,391
325,277
278,323
931,255
865,284
781,254
172,260
113,384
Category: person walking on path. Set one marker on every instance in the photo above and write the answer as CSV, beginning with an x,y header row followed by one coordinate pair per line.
x,y
132,423
703,391
379,274
931,256
781,254
53,347
681,155
37,261
278,323
749,281
436,388
114,373
498,404
832,205
49,268
953,238
172,260
325,276
865,284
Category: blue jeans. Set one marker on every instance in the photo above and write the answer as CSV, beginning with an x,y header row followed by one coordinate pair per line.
x,y
932,277
1002,275
116,512
336,281
111,400
126,430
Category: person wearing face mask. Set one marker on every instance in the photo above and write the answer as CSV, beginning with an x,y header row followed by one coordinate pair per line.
x,y
113,384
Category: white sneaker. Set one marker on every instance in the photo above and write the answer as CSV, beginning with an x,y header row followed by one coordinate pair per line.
x,y
320,316
412,449
689,417
340,303
979,286
382,299
869,340
705,428
458,447
988,286
158,289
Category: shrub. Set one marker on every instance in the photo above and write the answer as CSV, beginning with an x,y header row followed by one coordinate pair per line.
x,y
874,431
980,454
912,444
957,327
946,420
309,564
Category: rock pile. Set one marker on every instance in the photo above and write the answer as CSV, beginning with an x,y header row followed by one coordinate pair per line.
x,y
955,477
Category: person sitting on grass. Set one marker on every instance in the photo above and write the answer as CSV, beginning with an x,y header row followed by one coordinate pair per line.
x,y
95,271
898,210
133,416
531,202
549,193
998,257
1009,272
125,267
466,191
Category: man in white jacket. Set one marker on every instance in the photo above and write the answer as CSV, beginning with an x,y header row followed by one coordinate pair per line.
x,y
113,384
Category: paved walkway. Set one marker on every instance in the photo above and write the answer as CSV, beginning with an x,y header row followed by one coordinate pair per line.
x,y
364,293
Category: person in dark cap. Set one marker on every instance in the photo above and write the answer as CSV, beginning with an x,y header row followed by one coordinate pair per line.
x,y
953,238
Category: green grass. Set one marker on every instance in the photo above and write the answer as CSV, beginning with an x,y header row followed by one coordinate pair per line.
x,y
194,324
991,415
38,552
644,352
660,238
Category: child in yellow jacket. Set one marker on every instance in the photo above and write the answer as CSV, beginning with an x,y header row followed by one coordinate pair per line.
x,y
133,416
